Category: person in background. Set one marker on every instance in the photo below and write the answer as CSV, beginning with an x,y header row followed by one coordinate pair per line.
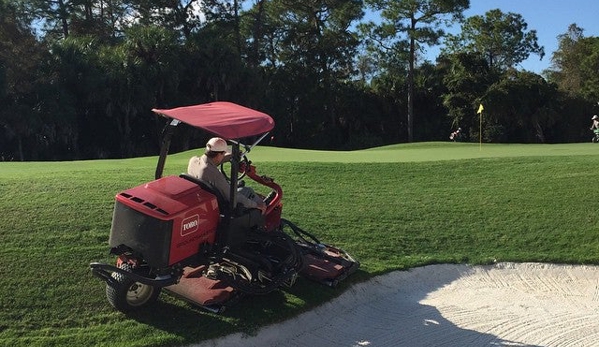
x,y
595,125
456,135
205,168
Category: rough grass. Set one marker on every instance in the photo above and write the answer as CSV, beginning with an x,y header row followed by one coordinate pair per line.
x,y
502,203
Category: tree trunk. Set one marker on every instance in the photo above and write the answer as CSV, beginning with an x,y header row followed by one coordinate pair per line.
x,y
62,12
237,27
411,84
20,144
540,132
255,53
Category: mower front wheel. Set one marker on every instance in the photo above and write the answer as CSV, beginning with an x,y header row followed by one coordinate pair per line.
x,y
127,295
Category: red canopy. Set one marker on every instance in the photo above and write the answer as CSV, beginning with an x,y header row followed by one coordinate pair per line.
x,y
224,119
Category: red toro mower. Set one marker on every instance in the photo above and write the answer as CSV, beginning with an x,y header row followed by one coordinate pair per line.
x,y
179,234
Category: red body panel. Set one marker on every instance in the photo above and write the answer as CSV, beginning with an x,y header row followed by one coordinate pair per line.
x,y
194,212
197,288
275,206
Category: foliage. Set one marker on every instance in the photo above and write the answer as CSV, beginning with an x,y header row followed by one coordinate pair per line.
x,y
310,49
433,124
95,69
21,87
567,59
500,38
419,21
468,77
525,106
519,106
575,65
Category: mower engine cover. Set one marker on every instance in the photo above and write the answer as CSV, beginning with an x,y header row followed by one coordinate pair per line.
x,y
166,221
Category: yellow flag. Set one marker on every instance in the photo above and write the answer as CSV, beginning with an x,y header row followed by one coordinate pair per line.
x,y
480,109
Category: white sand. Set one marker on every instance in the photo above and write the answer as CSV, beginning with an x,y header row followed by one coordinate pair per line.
x,y
505,304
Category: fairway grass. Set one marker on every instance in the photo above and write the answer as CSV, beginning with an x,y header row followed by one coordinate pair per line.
x,y
393,208
427,151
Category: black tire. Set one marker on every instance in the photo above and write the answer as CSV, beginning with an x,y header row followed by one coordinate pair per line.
x,y
126,295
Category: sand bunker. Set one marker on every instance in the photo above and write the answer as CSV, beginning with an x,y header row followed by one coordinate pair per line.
x,y
505,304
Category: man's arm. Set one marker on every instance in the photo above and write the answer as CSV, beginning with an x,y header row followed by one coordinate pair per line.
x,y
219,182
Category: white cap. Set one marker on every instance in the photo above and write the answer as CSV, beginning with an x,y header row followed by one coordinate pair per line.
x,y
595,117
216,144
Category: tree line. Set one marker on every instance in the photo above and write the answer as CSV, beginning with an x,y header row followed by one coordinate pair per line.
x,y
78,78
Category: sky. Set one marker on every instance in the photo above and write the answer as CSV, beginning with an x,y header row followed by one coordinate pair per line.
x,y
549,18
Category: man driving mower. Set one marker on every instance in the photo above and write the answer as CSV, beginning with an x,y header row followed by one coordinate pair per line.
x,y
187,235
205,168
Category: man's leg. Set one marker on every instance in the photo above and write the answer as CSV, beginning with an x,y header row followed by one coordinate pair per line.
x,y
250,194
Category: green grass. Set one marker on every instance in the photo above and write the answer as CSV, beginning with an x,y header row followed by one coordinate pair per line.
x,y
393,208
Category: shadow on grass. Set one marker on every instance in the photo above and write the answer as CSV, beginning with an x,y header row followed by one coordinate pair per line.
x,y
191,323
188,323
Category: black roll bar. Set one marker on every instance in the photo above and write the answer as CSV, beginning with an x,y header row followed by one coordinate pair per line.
x,y
167,135
235,159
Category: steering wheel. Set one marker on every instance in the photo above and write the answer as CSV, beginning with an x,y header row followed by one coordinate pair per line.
x,y
243,163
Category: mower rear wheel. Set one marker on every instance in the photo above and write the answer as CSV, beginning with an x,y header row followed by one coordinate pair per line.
x,y
127,295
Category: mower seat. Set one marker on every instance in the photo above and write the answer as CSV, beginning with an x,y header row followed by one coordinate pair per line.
x,y
223,204
233,231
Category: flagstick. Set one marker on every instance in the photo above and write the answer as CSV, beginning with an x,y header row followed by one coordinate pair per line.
x,y
480,133
480,129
